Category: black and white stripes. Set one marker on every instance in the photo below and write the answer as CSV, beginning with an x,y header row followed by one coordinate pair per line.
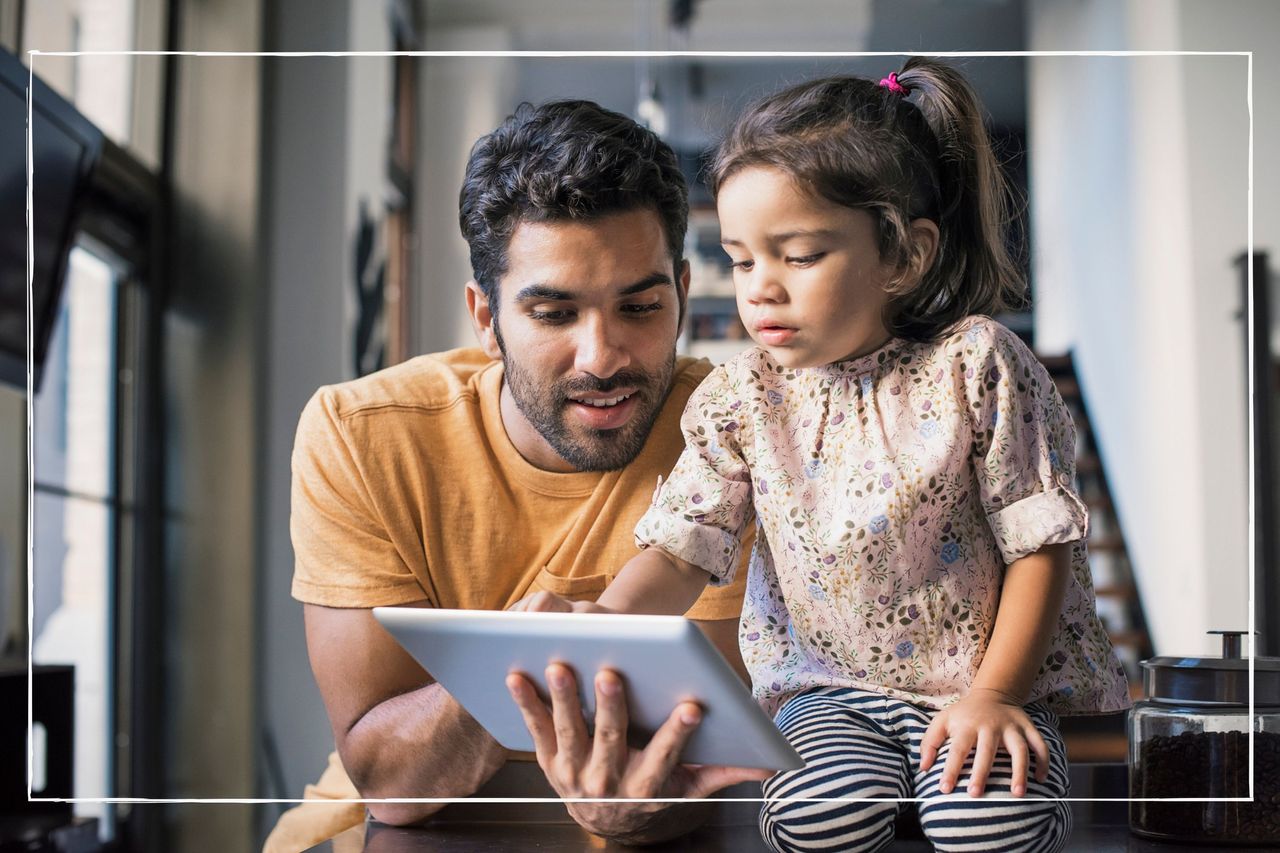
x,y
862,753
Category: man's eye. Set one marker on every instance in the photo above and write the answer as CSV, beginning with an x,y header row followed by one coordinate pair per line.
x,y
806,260
642,308
550,316
745,266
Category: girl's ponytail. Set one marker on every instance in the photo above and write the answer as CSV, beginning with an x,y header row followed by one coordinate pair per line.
x,y
976,273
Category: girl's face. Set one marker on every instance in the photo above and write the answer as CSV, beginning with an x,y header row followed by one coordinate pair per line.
x,y
810,283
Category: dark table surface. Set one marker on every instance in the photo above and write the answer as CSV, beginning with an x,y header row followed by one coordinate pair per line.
x,y
1099,826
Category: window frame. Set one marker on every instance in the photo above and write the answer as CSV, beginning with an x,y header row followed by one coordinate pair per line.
x,y
122,214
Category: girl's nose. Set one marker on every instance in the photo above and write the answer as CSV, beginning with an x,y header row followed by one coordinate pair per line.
x,y
763,285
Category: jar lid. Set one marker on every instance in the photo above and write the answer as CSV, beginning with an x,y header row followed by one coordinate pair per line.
x,y
1213,681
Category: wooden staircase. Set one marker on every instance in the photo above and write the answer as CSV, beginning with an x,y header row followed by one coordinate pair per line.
x,y
1102,738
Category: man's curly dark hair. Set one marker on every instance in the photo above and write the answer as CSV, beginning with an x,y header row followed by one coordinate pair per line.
x,y
565,160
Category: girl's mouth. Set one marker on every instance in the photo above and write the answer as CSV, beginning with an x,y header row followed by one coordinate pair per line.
x,y
772,335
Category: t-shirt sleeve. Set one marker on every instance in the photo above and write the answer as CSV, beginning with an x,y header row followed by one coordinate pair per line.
x,y
1023,448
704,509
343,555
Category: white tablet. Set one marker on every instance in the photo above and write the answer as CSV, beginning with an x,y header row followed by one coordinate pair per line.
x,y
663,660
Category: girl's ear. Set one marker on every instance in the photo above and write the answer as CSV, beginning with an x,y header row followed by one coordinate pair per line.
x,y
922,250
924,238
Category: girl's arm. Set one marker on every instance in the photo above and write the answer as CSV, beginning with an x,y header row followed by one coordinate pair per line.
x,y
991,715
654,581
1027,616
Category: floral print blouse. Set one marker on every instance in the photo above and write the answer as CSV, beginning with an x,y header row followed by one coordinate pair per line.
x,y
889,493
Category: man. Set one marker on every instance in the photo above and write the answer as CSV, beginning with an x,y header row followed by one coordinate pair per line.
x,y
473,478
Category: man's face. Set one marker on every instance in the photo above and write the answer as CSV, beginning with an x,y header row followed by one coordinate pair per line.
x,y
586,328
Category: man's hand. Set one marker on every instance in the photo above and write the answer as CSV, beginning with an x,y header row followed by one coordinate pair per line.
x,y
602,766
983,721
549,602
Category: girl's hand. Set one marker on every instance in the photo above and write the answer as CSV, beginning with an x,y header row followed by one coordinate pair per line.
x,y
549,602
984,721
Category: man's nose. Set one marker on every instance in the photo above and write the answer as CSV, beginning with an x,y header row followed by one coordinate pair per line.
x,y
601,348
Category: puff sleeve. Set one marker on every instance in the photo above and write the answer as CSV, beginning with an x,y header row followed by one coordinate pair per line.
x,y
704,509
1023,446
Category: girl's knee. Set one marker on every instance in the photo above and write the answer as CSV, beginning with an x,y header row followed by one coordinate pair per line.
x,y
854,825
1027,825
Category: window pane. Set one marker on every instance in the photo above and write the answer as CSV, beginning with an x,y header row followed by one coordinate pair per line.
x,y
73,514
119,94
71,594
73,412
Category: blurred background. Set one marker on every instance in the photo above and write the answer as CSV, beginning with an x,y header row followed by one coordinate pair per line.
x,y
217,236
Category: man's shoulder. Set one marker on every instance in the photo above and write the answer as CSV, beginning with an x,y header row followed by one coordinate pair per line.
x,y
688,375
425,383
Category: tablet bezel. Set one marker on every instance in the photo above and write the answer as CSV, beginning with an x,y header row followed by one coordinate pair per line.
x,y
662,660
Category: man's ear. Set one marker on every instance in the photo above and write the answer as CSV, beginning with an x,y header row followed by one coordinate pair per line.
x,y
682,294
482,320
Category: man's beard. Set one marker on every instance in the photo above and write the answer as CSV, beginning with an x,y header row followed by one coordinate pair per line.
x,y
545,407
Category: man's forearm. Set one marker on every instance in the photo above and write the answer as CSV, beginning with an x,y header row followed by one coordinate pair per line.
x,y
418,744
1030,602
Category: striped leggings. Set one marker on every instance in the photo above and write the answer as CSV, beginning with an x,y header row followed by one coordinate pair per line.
x,y
858,745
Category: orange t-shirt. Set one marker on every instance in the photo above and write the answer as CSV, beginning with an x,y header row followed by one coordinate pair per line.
x,y
406,488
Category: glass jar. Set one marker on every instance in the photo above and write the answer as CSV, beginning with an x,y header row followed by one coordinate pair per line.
x,y
1189,738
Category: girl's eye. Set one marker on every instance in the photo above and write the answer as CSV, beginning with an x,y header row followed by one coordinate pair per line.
x,y
807,260
745,266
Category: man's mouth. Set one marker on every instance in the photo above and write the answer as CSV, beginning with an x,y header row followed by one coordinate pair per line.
x,y
601,402
600,412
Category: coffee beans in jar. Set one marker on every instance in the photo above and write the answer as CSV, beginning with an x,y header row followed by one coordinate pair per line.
x,y
1189,750
1208,765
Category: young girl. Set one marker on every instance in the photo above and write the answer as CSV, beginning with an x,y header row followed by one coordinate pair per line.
x,y
919,604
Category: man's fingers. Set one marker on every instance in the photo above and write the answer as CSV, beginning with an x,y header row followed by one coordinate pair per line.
x,y
709,778
609,745
659,758
535,714
566,714
1017,746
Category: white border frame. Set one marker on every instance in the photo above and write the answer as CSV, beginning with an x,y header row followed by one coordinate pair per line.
x,y
551,54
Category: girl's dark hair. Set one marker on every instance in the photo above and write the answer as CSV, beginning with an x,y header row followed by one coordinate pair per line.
x,y
925,154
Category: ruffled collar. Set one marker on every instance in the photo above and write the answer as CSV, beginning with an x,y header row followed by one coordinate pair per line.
x,y
861,365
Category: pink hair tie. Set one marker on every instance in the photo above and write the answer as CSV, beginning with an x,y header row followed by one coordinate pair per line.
x,y
891,83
